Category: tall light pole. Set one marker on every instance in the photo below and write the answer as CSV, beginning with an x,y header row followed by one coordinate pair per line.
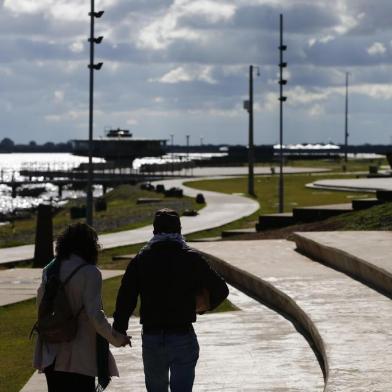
x,y
187,146
346,134
92,67
172,152
282,82
248,106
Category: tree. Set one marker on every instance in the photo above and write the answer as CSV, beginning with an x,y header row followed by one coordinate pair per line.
x,y
7,144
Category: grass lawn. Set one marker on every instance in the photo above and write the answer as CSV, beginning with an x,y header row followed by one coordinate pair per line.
x,y
16,350
122,214
337,165
266,188
375,218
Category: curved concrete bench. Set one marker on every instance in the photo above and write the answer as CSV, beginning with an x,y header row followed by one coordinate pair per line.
x,y
348,322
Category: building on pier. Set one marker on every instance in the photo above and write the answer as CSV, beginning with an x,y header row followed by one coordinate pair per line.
x,y
119,145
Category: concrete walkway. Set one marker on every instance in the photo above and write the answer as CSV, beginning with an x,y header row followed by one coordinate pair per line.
x,y
220,209
355,185
365,255
349,322
254,349
20,284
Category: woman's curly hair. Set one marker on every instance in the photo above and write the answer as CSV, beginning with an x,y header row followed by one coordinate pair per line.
x,y
79,239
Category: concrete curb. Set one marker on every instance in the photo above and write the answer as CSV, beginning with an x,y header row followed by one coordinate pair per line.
x,y
276,299
368,273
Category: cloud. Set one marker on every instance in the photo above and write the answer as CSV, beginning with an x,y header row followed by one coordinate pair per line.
x,y
376,49
188,74
76,47
316,110
171,65
58,96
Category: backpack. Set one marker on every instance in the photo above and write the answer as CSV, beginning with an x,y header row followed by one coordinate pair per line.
x,y
56,322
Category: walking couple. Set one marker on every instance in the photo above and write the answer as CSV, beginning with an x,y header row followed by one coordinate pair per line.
x,y
174,283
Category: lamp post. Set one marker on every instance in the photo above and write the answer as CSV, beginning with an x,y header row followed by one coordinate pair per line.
x,y
346,134
92,67
172,152
248,106
282,98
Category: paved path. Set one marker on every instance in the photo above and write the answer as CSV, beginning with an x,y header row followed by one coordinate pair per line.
x,y
365,255
354,321
221,209
373,247
243,170
356,185
254,349
20,284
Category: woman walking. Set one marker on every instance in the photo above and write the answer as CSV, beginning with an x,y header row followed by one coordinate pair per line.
x,y
73,365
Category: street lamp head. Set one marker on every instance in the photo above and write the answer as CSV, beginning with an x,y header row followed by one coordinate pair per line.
x,y
97,14
97,40
96,67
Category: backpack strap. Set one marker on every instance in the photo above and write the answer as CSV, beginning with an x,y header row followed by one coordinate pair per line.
x,y
73,273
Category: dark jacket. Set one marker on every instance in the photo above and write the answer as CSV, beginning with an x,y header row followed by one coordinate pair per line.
x,y
167,275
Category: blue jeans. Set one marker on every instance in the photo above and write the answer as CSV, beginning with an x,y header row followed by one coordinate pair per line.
x,y
177,353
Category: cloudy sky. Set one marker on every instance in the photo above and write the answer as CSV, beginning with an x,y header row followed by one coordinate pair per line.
x,y
181,67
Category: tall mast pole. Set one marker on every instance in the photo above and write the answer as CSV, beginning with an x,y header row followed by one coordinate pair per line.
x,y
282,99
92,67
251,189
346,122
89,202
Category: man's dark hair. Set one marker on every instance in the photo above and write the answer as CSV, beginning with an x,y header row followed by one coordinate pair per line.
x,y
167,221
79,239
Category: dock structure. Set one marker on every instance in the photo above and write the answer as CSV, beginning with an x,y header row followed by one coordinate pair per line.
x,y
118,145
107,175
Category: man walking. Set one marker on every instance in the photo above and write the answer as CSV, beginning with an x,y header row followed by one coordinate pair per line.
x,y
174,283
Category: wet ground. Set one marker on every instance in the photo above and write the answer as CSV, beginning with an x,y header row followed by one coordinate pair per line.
x,y
254,349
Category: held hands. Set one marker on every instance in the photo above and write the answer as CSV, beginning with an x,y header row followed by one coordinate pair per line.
x,y
126,341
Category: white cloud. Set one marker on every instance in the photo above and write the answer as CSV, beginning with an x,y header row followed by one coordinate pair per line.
x,y
165,29
188,74
324,39
376,49
301,96
377,91
76,47
58,96
27,6
316,110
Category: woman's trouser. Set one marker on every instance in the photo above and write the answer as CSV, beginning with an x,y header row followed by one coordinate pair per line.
x,y
67,382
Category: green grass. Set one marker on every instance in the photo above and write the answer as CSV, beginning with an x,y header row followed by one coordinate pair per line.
x,y
122,214
353,165
16,350
266,189
375,218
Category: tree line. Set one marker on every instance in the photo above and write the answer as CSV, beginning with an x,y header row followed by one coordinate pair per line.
x,y
7,145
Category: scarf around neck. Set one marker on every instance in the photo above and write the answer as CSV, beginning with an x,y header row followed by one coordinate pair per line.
x,y
161,237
